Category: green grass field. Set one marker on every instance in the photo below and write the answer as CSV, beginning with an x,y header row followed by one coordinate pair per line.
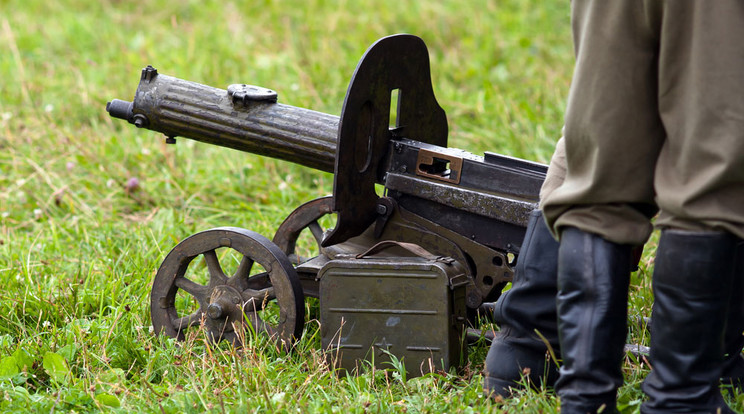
x,y
89,206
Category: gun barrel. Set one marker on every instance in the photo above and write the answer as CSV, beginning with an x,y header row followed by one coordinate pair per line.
x,y
243,117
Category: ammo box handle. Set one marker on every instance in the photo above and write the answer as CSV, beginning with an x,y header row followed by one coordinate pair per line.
x,y
413,248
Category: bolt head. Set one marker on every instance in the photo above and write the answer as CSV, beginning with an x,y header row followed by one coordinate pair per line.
x,y
214,311
140,121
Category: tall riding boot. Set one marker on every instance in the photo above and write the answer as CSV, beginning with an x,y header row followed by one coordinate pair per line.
x,y
733,365
692,284
593,280
518,352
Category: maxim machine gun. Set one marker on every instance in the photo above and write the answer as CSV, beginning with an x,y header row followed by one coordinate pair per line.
x,y
399,274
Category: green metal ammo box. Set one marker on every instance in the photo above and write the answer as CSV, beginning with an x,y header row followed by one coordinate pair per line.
x,y
374,306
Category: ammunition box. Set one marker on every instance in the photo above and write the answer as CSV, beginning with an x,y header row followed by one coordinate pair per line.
x,y
412,308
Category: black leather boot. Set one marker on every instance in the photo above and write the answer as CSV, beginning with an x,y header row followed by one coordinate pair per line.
x,y
733,366
692,285
517,352
593,279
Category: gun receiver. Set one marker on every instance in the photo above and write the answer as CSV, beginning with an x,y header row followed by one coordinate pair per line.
x,y
454,204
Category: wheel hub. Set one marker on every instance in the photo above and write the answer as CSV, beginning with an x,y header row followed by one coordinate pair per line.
x,y
225,304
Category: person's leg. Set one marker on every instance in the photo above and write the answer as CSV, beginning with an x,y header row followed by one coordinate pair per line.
x,y
602,209
699,182
526,317
593,280
732,376
526,313
692,282
613,133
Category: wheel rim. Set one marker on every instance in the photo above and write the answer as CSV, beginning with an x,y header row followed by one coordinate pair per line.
x,y
303,217
225,304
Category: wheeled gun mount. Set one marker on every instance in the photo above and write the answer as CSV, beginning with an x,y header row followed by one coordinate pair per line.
x,y
451,203
484,200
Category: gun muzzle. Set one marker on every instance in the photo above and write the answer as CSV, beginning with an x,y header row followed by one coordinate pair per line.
x,y
125,110
120,109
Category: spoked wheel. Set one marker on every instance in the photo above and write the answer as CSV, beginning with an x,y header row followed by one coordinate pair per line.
x,y
306,216
187,294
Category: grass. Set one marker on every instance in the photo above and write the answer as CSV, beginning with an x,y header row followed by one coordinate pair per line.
x,y
89,206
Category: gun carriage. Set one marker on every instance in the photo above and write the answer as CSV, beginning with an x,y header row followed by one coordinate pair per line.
x,y
401,271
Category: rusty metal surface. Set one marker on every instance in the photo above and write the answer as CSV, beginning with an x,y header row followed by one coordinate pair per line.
x,y
178,107
489,269
399,62
227,302
439,166
489,205
506,177
499,235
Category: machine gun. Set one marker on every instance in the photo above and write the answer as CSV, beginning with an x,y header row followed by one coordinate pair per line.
x,y
399,272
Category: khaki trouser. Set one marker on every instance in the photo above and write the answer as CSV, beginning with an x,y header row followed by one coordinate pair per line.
x,y
556,170
655,117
